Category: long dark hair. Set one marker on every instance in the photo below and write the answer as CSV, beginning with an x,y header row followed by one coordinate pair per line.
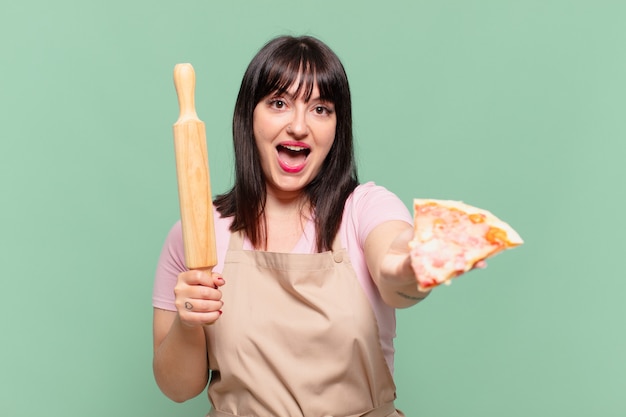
x,y
275,68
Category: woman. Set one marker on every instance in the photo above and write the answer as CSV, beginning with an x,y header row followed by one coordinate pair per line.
x,y
311,264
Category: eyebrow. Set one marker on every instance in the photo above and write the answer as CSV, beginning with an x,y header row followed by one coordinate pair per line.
x,y
292,97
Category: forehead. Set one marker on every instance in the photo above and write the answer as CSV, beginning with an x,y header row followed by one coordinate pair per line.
x,y
300,90
300,83
299,79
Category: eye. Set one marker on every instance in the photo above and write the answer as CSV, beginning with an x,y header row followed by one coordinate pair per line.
x,y
322,110
277,103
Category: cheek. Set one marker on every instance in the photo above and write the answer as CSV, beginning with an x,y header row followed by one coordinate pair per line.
x,y
327,144
264,130
258,124
260,135
329,135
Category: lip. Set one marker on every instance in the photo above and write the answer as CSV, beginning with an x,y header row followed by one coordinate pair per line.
x,y
292,156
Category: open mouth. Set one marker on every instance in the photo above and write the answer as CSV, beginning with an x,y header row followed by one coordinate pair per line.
x,y
292,155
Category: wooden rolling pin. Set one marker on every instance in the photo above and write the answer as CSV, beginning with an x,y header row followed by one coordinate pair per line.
x,y
192,170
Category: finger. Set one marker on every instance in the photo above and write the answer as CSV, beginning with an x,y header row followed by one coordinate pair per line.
x,y
217,278
193,297
205,293
482,264
197,277
202,306
210,318
200,319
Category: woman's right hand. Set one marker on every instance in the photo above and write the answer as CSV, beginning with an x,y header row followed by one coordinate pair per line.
x,y
198,297
180,352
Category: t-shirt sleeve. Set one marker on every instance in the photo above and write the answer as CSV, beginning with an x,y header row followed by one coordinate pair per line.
x,y
369,206
171,264
375,205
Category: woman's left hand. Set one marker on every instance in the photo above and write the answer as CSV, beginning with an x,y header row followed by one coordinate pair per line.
x,y
388,258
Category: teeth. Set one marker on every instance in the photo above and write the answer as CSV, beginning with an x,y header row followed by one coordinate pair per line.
x,y
294,148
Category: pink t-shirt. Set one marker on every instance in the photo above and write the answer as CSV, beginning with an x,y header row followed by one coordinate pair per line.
x,y
367,207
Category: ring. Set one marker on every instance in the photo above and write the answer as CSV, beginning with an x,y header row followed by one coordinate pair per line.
x,y
188,305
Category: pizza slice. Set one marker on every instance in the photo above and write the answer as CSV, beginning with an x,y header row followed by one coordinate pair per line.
x,y
451,237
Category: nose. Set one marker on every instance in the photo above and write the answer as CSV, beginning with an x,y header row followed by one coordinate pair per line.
x,y
298,126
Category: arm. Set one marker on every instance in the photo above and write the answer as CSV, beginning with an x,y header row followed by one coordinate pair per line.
x,y
389,262
180,362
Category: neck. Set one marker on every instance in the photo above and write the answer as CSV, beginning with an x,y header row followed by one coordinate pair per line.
x,y
284,219
287,205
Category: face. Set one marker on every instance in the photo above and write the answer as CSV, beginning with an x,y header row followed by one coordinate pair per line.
x,y
293,138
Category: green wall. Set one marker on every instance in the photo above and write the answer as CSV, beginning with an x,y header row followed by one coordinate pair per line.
x,y
514,106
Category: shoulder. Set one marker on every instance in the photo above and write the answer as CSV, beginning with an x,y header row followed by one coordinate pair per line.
x,y
370,205
370,199
371,191
173,253
221,227
368,188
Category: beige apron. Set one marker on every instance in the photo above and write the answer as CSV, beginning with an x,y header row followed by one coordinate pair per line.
x,y
298,337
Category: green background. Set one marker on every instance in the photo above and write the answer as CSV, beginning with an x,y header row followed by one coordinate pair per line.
x,y
514,106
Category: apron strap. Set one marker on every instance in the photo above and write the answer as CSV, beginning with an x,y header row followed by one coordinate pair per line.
x,y
337,246
236,241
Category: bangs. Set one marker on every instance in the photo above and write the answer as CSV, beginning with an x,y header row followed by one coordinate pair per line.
x,y
301,67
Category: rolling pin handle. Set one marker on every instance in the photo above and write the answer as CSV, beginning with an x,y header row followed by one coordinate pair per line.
x,y
185,83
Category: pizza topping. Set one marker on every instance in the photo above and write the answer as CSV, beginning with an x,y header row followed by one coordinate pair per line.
x,y
477,217
496,236
451,237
